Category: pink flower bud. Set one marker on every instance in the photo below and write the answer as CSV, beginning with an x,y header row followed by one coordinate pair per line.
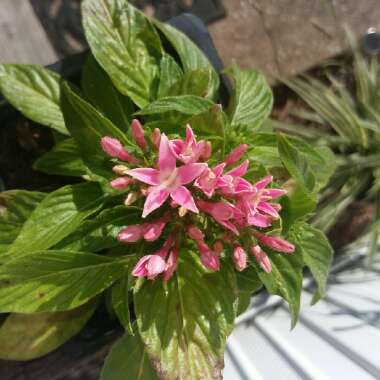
x,y
156,138
115,149
262,258
171,264
153,230
195,233
236,154
240,258
130,234
138,134
209,258
149,266
275,243
121,183
206,150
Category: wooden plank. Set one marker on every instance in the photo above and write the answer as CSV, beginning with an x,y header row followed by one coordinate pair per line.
x,y
22,39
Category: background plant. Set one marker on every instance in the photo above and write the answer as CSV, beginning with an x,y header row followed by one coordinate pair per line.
x,y
351,110
59,253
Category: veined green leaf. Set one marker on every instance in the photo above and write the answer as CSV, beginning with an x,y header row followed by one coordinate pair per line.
x,y
190,55
102,94
285,280
35,92
125,44
55,280
30,336
128,360
59,214
317,255
184,104
295,163
252,99
99,233
184,323
15,208
196,82
170,73
88,125
120,300
63,159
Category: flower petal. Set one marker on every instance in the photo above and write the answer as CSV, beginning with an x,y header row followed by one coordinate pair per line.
x,y
183,197
188,173
263,182
156,197
147,175
166,159
240,170
268,209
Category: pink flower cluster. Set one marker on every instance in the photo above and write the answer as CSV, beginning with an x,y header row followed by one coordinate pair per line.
x,y
199,196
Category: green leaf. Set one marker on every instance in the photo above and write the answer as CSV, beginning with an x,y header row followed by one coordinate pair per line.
x,y
125,44
30,336
59,214
63,159
102,94
248,283
120,300
190,55
185,322
88,125
128,360
210,123
285,280
252,99
295,163
196,82
55,280
297,204
317,255
100,233
170,73
35,92
184,104
15,208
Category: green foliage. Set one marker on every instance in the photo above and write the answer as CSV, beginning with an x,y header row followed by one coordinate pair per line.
x,y
63,159
353,115
35,92
55,280
128,360
60,253
30,336
184,324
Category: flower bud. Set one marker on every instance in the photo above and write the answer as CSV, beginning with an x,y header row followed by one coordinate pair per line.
x,y
236,154
120,169
171,264
195,233
206,151
130,234
138,134
131,198
156,138
121,183
275,243
240,258
262,258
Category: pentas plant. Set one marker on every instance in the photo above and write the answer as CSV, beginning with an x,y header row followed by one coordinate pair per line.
x,y
218,200
176,211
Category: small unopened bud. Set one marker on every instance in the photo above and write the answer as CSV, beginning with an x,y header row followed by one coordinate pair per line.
x,y
182,211
121,183
206,151
131,198
236,154
156,138
262,258
120,169
138,134
240,258
195,233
